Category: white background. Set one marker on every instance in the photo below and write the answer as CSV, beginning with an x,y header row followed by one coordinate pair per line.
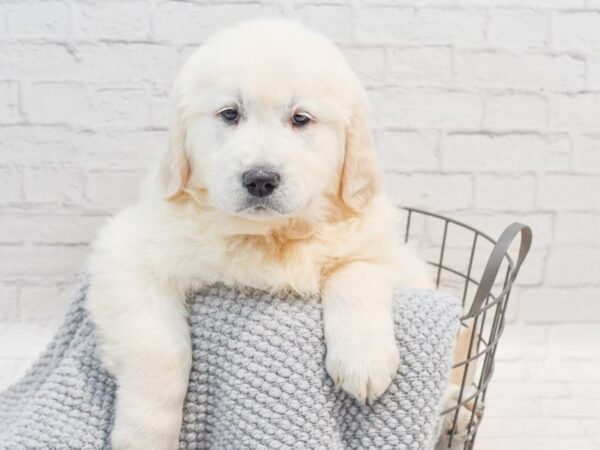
x,y
485,110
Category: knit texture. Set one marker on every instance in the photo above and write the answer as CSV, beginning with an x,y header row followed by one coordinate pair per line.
x,y
258,380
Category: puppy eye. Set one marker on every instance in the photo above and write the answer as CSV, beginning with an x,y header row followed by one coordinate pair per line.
x,y
301,119
230,115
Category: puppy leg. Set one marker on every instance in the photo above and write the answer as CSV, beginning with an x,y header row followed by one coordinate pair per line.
x,y
452,393
362,356
144,342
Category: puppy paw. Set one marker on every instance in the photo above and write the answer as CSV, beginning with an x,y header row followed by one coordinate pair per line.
x,y
464,424
363,366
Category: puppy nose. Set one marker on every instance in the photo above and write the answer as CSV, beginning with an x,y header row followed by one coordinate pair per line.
x,y
260,182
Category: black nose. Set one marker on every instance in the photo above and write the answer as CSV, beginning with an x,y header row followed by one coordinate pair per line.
x,y
259,182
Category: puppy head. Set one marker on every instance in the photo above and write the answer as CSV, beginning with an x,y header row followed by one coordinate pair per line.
x,y
270,121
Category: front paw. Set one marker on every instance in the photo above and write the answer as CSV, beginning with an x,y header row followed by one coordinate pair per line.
x,y
462,423
363,366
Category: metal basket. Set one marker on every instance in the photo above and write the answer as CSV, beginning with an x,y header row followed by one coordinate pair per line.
x,y
480,271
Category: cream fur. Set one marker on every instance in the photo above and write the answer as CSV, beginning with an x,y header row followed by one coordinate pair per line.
x,y
330,230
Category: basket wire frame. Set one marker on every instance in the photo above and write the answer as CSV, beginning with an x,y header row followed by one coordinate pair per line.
x,y
484,300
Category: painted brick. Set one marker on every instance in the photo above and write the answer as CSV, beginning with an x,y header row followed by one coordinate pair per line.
x,y
60,146
49,228
118,20
570,192
161,111
591,390
423,66
9,101
577,29
402,150
118,107
126,187
334,21
426,109
32,340
546,443
38,20
519,408
586,154
37,145
573,266
54,185
121,149
592,427
491,69
505,152
536,427
46,262
12,180
431,191
524,343
9,306
11,369
511,371
547,5
44,303
407,26
571,407
368,63
519,28
184,22
136,62
594,71
516,112
534,4
505,192
532,273
494,223
32,59
3,27
550,305
57,102
534,389
577,229
565,371
93,106
575,112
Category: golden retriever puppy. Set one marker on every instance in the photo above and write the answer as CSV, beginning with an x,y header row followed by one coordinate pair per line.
x,y
270,181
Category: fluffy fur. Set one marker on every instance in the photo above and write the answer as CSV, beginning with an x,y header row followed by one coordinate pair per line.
x,y
328,228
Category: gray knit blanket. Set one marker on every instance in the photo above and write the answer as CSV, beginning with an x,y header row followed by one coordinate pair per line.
x,y
258,380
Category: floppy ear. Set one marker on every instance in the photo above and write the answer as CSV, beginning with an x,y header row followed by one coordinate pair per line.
x,y
361,177
175,169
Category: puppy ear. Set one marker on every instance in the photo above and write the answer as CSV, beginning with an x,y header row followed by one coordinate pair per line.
x,y
361,177
175,169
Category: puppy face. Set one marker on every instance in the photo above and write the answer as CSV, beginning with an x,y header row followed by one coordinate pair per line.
x,y
264,142
269,120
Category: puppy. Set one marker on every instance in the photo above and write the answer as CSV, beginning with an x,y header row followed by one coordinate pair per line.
x,y
270,181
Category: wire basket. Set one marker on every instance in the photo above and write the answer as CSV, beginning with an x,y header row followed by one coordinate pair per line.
x,y
480,271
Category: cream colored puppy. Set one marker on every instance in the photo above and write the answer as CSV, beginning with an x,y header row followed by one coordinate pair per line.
x,y
270,181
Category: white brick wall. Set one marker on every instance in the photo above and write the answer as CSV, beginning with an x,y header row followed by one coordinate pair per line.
x,y
487,111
